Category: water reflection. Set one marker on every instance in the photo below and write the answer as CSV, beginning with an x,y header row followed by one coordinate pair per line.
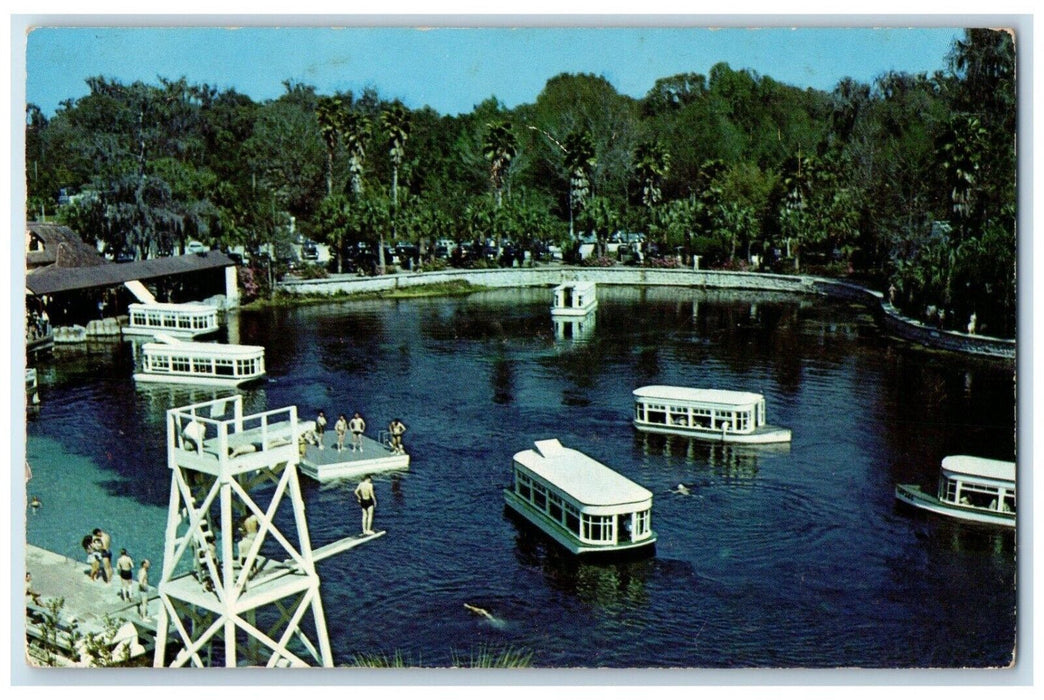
x,y
600,583
720,459
577,329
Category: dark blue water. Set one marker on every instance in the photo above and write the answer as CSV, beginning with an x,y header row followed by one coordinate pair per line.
x,y
792,557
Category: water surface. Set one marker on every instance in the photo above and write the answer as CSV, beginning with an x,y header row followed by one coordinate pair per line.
x,y
779,557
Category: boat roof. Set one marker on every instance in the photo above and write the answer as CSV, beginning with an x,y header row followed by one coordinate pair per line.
x,y
980,466
711,396
210,349
188,306
587,480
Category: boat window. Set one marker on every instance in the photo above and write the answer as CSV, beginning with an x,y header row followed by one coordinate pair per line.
x,y
522,485
555,511
158,363
641,523
539,496
1008,505
597,528
170,322
185,322
679,416
656,416
202,365
180,364
978,496
224,366
572,519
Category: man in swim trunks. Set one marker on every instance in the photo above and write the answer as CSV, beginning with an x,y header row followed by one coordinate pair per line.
x,y
367,499
125,567
358,426
341,428
143,589
106,552
397,429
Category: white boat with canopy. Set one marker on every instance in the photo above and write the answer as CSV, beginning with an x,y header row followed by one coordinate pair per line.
x,y
579,502
970,488
176,320
214,364
574,299
706,414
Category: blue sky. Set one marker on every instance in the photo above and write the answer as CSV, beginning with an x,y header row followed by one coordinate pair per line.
x,y
451,69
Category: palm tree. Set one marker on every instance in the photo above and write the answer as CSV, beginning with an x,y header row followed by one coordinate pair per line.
x,y
499,147
396,123
327,112
651,164
355,128
579,161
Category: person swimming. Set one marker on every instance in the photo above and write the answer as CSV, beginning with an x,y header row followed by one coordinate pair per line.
x,y
681,490
482,612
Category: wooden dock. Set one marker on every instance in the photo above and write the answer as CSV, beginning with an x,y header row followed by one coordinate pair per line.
x,y
329,463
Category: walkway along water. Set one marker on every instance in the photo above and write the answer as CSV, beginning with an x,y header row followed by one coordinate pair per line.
x,y
886,314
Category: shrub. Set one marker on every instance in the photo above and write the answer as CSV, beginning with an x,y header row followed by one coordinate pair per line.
x,y
597,262
663,262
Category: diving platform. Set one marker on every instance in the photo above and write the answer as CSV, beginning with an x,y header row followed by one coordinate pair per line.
x,y
327,464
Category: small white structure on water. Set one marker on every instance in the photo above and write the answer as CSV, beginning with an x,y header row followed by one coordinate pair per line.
x,y
177,320
234,583
173,361
705,414
574,299
579,502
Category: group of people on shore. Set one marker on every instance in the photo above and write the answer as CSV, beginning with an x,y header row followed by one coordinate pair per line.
x,y
98,547
357,427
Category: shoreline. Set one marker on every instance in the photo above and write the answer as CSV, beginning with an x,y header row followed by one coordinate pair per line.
x,y
463,282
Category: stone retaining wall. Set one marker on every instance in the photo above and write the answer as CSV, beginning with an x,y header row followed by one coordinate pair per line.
x,y
887,315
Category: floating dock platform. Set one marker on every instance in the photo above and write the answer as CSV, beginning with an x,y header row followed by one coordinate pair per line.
x,y
329,463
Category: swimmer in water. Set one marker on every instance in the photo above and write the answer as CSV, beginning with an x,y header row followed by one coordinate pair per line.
x,y
681,489
35,503
482,612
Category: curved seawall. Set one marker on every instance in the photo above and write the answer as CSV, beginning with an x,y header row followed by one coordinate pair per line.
x,y
887,315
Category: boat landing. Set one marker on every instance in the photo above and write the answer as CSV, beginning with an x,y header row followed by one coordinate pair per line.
x,y
329,463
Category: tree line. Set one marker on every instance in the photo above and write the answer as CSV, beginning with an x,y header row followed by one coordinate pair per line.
x,y
907,183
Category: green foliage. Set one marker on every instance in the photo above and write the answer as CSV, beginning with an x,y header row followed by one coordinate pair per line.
x,y
720,166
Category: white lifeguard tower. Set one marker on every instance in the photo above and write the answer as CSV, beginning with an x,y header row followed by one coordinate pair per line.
x,y
236,589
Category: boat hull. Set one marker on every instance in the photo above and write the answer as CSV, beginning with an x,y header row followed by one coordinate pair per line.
x,y
912,495
195,380
764,435
172,332
573,312
563,538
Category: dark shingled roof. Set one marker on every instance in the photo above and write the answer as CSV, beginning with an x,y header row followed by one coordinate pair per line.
x,y
61,247
52,279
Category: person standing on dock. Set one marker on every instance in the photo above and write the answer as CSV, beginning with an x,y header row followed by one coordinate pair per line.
x,y
397,429
341,428
125,567
93,555
105,546
143,589
367,499
320,427
358,426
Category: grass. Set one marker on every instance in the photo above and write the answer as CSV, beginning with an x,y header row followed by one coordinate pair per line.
x,y
434,289
484,657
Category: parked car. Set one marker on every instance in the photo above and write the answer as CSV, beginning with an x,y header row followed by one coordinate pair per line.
x,y
195,247
309,251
